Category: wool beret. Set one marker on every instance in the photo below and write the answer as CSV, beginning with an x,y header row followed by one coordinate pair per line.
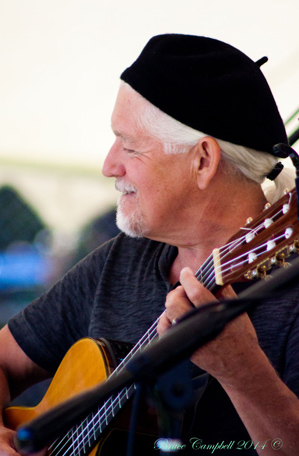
x,y
210,86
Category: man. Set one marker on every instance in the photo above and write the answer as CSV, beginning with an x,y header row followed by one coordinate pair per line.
x,y
185,191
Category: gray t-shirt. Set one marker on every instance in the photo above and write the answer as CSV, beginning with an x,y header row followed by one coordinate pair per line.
x,y
117,292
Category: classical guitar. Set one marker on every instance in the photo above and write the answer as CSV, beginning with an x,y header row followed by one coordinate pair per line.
x,y
250,254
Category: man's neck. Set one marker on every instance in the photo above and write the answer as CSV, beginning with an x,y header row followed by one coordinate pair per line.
x,y
215,231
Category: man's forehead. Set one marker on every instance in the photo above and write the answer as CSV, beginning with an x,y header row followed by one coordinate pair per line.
x,y
124,119
122,124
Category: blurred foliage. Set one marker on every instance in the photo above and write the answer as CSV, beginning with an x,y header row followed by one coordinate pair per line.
x,y
18,221
95,233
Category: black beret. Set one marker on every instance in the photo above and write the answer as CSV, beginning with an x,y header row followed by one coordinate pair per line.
x,y
209,86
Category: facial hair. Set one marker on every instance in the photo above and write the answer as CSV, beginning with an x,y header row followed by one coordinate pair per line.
x,y
132,224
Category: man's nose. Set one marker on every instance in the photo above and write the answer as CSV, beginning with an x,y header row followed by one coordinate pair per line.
x,y
113,166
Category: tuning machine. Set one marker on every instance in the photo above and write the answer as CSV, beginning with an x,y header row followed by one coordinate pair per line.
x,y
262,271
280,259
258,273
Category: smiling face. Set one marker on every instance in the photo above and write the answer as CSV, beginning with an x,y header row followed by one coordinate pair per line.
x,y
157,188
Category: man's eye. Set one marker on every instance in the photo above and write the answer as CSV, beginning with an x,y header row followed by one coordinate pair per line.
x,y
130,151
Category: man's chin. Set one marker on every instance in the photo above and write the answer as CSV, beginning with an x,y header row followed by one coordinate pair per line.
x,y
129,225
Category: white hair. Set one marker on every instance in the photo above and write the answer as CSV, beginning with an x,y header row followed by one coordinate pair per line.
x,y
179,138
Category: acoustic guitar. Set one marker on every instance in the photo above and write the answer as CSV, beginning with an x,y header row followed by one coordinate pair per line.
x,y
250,254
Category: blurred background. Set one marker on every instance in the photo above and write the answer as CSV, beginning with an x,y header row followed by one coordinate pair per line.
x,y
60,62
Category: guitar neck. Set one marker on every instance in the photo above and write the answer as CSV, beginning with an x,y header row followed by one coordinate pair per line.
x,y
207,276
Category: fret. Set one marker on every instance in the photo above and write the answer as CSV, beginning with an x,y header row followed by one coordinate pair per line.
x,y
205,274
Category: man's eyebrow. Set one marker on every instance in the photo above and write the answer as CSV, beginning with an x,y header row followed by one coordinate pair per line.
x,y
122,136
115,132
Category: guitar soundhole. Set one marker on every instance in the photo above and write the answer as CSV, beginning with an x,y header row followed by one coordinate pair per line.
x,y
117,350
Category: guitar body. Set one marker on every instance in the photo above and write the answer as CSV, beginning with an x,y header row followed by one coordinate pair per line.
x,y
87,363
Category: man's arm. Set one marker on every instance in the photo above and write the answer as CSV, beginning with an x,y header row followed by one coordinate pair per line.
x,y
268,409
17,372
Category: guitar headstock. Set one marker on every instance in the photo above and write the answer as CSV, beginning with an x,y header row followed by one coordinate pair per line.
x,y
261,244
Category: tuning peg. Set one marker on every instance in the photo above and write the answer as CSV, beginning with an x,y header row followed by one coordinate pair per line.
x,y
258,273
250,275
267,206
280,260
262,271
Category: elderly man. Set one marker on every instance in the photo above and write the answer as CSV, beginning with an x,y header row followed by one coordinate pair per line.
x,y
195,123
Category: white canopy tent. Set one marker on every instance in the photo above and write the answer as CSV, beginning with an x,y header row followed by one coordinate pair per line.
x,y
60,62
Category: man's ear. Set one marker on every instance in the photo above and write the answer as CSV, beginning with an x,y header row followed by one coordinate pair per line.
x,y
208,155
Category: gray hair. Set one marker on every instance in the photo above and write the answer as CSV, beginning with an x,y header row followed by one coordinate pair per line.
x,y
179,138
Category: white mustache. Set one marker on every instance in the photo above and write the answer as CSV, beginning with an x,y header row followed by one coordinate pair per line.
x,y
124,187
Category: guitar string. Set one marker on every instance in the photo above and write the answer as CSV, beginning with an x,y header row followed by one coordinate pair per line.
x,y
91,428
228,248
137,347
239,242
152,333
148,336
241,263
70,436
96,420
209,266
255,231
